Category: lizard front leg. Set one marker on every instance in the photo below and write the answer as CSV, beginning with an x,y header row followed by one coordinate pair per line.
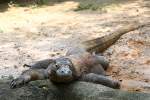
x,y
42,64
29,75
100,79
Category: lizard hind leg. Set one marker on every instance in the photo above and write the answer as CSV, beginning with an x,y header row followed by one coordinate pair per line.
x,y
103,61
100,79
98,69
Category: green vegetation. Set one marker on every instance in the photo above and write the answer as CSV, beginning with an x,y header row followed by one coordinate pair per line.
x,y
32,3
98,5
1,31
94,5
86,6
24,2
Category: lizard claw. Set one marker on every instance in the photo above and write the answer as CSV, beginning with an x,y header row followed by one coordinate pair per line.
x,y
12,84
16,82
117,85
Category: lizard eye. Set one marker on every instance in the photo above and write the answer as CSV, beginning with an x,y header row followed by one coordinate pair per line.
x,y
57,66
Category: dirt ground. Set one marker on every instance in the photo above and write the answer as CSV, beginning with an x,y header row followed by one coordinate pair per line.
x,y
28,34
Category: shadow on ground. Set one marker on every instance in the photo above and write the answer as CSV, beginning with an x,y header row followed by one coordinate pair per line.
x,y
4,7
83,4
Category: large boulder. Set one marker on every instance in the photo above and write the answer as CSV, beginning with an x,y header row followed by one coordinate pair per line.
x,y
45,90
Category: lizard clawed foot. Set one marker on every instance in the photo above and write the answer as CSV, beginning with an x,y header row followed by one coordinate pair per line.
x,y
18,82
116,85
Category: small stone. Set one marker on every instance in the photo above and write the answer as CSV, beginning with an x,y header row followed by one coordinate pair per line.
x,y
15,66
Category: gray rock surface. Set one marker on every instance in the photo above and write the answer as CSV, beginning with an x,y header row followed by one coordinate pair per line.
x,y
45,90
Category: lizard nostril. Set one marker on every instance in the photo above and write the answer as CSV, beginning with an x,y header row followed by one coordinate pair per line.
x,y
69,71
62,71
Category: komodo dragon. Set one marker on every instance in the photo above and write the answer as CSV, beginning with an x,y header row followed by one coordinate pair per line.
x,y
82,66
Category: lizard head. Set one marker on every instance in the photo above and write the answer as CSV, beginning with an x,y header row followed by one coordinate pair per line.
x,y
61,71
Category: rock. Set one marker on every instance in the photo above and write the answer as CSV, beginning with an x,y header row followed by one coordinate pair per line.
x,y
45,90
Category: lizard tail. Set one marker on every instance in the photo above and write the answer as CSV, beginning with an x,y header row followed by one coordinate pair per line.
x,y
100,44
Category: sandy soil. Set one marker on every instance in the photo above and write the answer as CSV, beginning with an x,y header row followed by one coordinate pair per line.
x,y
29,34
